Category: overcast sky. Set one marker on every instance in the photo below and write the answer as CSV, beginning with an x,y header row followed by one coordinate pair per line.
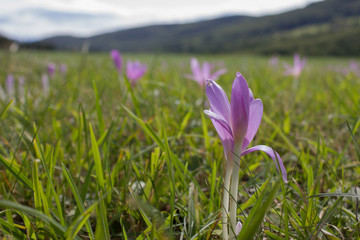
x,y
36,19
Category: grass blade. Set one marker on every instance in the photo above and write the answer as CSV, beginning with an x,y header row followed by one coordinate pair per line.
x,y
77,197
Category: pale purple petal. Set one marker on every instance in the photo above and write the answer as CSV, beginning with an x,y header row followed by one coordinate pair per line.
x,y
117,59
219,102
297,61
238,228
206,71
45,84
216,74
255,116
197,73
220,120
51,69
224,132
274,155
10,86
135,70
251,95
239,108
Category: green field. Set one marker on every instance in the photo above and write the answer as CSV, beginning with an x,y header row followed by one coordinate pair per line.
x,y
98,159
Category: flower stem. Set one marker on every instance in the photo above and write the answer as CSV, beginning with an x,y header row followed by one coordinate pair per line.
x,y
226,194
234,192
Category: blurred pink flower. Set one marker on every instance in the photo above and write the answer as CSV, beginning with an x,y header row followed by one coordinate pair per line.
x,y
117,59
10,86
45,84
135,70
51,69
352,68
297,68
202,74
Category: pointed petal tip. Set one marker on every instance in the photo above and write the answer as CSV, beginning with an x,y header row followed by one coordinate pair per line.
x,y
238,228
273,155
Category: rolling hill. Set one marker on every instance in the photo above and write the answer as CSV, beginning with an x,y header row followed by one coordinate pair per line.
x,y
330,27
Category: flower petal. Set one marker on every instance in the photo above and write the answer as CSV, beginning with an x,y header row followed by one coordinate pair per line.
x,y
219,102
196,70
238,228
274,155
251,95
206,69
239,108
216,74
220,120
117,59
255,116
224,132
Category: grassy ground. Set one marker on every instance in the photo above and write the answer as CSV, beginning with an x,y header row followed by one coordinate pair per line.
x,y
96,159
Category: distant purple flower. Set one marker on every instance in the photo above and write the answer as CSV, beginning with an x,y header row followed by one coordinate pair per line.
x,y
117,59
135,70
21,87
63,69
51,69
45,84
238,228
202,74
352,68
10,86
298,67
238,122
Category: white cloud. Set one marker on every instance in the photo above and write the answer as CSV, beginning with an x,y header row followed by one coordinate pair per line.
x,y
33,19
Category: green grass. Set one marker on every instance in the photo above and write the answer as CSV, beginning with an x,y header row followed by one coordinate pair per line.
x,y
98,159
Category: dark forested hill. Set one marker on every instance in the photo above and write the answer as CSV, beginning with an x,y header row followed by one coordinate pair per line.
x,y
4,42
330,27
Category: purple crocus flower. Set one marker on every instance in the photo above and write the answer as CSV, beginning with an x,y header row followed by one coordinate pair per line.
x,y
51,68
10,86
45,84
352,68
298,67
135,70
117,59
238,122
202,74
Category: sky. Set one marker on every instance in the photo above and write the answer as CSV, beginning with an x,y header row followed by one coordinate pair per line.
x,y
28,20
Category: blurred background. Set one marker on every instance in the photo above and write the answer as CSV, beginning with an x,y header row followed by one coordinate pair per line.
x,y
310,27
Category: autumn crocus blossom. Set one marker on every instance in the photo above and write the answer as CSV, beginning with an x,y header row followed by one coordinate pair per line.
x,y
10,86
51,69
201,74
236,123
297,68
352,68
135,70
117,59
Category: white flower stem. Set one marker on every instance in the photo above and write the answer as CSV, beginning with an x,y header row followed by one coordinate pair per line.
x,y
234,192
226,194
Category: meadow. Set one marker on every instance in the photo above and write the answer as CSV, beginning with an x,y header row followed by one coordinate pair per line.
x,y
94,157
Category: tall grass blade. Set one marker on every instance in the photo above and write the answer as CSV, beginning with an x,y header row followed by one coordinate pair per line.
x,y
77,197
257,213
